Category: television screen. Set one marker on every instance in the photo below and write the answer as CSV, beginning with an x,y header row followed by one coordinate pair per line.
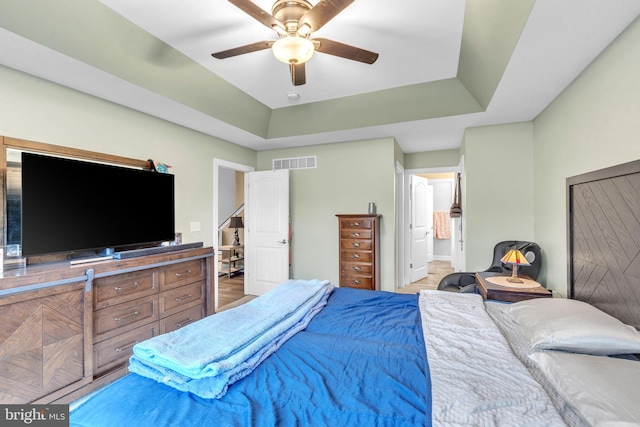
x,y
71,206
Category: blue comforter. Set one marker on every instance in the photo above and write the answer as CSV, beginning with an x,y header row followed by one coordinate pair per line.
x,y
361,361
207,356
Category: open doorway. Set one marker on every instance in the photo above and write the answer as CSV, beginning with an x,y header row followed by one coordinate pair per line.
x,y
427,226
228,214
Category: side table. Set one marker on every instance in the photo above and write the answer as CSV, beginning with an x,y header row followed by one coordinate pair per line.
x,y
494,286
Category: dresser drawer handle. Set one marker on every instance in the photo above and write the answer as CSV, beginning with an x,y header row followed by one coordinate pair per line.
x,y
356,244
122,288
355,234
355,223
356,256
187,272
184,322
356,281
356,268
126,346
135,313
184,297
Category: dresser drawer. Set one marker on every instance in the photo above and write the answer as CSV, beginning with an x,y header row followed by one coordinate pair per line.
x,y
365,245
116,351
180,298
355,234
180,274
356,223
356,256
120,318
116,289
356,268
352,281
183,318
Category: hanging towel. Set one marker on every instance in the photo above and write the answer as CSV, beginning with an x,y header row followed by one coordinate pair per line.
x,y
442,225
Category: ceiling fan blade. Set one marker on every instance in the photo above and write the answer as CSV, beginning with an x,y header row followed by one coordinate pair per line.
x,y
259,14
298,74
342,50
323,12
253,47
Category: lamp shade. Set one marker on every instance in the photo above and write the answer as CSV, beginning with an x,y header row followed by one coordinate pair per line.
x,y
514,256
293,49
236,222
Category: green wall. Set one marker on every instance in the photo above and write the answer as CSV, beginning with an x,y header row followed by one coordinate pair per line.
x,y
348,176
593,124
514,180
497,189
514,177
37,110
432,159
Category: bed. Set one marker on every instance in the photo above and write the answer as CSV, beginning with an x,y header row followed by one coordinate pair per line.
x,y
362,361
372,358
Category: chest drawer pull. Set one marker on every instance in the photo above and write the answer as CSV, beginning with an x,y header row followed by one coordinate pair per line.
x,y
184,322
355,234
356,256
122,288
356,281
181,274
184,297
126,346
356,268
135,313
356,244
355,223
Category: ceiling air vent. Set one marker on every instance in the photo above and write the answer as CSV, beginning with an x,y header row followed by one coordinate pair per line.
x,y
295,163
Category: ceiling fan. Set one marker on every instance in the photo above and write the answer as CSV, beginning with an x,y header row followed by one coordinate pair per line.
x,y
295,21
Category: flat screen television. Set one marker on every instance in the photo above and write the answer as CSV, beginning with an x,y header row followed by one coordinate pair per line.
x,y
78,206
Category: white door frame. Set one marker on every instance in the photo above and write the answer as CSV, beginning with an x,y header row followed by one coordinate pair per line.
x,y
400,221
402,224
217,164
459,224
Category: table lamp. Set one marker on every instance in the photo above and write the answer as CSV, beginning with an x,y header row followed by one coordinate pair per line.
x,y
236,222
515,258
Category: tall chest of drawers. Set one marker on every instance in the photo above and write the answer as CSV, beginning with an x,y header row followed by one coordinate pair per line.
x,y
359,251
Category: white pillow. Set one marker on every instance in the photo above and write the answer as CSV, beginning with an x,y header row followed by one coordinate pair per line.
x,y
603,390
575,326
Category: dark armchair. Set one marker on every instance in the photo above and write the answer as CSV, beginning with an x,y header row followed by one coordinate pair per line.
x,y
466,281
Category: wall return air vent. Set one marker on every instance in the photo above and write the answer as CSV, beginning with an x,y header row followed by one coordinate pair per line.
x,y
295,163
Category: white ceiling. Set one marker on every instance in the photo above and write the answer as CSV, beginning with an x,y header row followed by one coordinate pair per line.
x,y
418,41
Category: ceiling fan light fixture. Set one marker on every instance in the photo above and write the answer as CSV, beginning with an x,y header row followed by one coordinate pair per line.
x,y
304,30
293,49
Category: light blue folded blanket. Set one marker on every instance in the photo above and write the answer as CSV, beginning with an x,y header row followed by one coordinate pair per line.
x,y
206,356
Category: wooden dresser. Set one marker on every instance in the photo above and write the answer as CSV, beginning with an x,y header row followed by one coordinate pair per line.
x,y
359,251
66,330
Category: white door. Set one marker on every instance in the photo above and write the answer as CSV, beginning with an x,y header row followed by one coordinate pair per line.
x,y
421,226
267,231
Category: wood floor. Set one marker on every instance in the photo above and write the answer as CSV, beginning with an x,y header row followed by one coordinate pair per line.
x,y
437,270
231,290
